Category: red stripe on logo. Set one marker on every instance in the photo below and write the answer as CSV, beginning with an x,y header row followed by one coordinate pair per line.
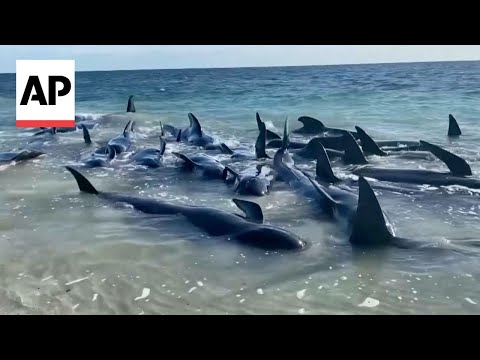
x,y
46,123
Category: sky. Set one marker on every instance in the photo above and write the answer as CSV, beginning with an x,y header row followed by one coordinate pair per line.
x,y
126,57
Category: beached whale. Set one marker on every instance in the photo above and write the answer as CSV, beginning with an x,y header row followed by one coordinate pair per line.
x,y
312,126
18,156
257,183
150,157
248,230
193,134
123,142
206,166
337,202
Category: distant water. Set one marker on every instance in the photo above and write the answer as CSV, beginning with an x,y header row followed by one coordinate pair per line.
x,y
62,252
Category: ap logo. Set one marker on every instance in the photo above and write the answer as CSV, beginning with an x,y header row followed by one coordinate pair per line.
x,y
45,93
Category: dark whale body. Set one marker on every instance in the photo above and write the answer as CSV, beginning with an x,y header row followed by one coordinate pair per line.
x,y
193,134
18,156
248,230
459,174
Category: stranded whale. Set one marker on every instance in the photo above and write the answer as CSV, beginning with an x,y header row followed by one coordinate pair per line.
x,y
248,230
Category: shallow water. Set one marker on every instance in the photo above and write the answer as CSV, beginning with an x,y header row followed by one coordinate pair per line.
x,y
62,252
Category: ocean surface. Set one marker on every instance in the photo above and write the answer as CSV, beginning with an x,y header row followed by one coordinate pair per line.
x,y
62,252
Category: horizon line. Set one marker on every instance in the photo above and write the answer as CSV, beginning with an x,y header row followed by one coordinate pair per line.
x,y
264,66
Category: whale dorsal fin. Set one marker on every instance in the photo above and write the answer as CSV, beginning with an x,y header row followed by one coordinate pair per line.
x,y
189,162
286,135
86,135
171,129
310,124
323,169
270,134
260,152
253,211
179,135
353,153
455,164
126,130
368,144
83,184
162,131
163,146
311,149
453,128
225,149
259,121
369,226
131,104
195,127
233,172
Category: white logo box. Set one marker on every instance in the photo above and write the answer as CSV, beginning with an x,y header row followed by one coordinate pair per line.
x,y
34,114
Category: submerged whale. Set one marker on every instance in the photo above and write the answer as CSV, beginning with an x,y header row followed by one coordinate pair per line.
x,y
78,126
370,147
249,230
373,147
459,174
43,140
129,114
336,143
324,174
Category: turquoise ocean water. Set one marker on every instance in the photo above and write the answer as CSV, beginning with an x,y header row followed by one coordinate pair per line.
x,y
50,236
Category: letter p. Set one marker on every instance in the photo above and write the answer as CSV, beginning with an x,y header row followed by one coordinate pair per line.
x,y
52,91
